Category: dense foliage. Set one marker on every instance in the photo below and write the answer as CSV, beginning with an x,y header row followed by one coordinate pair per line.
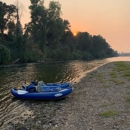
x,y
46,37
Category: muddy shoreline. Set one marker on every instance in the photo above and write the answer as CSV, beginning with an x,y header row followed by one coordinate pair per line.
x,y
98,92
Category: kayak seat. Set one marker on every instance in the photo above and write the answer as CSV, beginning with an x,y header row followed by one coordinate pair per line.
x,y
39,87
30,87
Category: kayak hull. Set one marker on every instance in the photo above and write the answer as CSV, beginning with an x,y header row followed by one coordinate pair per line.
x,y
47,95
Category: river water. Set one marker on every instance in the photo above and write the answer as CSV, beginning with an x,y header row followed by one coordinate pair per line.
x,y
14,76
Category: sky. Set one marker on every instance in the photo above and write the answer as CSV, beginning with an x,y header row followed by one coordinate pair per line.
x,y
108,18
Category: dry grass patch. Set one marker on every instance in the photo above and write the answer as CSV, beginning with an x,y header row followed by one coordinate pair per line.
x,y
106,86
117,82
109,113
127,98
104,104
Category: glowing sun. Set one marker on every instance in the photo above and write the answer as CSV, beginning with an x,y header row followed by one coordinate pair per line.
x,y
74,33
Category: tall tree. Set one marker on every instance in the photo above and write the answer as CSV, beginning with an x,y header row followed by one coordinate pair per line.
x,y
4,54
38,24
7,14
46,26
19,29
55,23
67,25
84,41
54,10
99,46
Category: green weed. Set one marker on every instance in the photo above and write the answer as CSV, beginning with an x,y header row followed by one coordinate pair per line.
x,y
106,86
117,82
128,86
54,129
127,98
105,104
109,113
113,75
128,92
126,73
90,104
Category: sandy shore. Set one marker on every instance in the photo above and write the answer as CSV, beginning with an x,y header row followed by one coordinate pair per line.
x,y
100,101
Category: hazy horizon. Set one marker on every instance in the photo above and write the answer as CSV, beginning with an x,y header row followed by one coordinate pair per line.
x,y
109,18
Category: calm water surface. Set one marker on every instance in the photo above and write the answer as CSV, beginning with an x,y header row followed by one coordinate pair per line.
x,y
70,71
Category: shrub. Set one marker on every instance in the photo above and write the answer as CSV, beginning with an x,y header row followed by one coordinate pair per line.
x,y
4,54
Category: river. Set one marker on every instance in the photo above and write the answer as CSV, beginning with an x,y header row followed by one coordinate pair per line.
x,y
14,76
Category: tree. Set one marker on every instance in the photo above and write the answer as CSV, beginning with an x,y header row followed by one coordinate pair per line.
x,y
55,32
11,27
38,24
4,54
46,27
67,33
19,29
84,41
67,25
7,14
55,25
100,46
54,10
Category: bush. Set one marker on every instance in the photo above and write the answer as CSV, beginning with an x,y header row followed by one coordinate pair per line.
x,y
77,54
4,54
87,55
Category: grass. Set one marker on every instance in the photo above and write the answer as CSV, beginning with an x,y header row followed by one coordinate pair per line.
x,y
91,76
90,105
1,96
79,93
117,82
101,80
113,75
100,77
121,69
104,104
127,98
128,86
109,113
128,92
106,86
126,73
124,68
53,113
54,129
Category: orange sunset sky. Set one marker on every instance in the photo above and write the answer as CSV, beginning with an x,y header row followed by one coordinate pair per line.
x,y
108,18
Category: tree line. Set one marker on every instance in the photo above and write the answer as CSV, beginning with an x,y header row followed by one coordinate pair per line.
x,y
46,37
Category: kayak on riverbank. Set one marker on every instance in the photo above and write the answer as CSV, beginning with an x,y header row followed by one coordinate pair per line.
x,y
46,95
42,91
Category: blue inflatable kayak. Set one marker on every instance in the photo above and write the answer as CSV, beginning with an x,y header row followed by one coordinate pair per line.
x,y
48,86
47,94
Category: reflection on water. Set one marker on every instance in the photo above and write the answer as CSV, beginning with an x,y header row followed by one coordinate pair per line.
x,y
125,58
70,71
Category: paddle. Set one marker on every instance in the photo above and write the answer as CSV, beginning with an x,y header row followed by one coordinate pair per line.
x,y
20,92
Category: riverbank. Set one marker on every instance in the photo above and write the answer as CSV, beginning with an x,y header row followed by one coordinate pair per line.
x,y
100,101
